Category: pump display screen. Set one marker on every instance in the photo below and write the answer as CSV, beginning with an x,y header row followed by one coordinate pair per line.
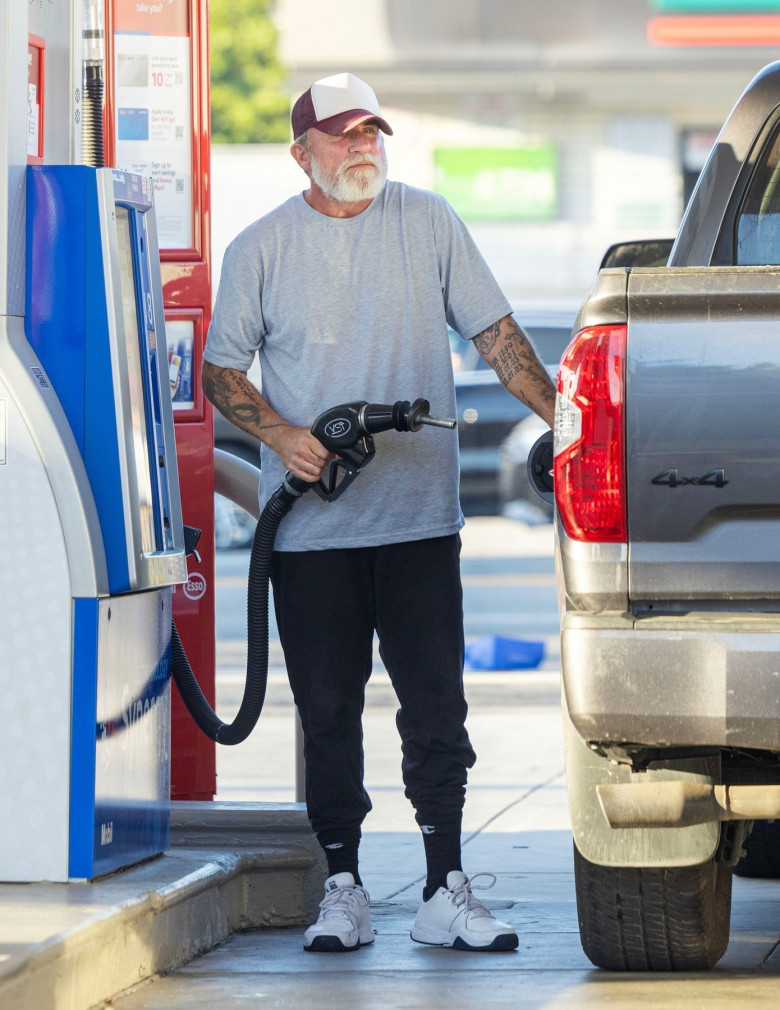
x,y
139,435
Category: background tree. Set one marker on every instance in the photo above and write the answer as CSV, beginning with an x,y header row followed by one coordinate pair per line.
x,y
249,103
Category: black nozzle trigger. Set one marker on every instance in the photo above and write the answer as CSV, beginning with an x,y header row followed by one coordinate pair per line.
x,y
332,488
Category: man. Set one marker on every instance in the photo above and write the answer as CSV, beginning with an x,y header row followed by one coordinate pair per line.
x,y
345,293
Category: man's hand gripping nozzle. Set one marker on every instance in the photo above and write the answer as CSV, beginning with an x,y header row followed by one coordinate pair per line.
x,y
347,429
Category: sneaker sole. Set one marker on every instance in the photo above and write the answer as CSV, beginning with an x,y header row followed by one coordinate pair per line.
x,y
504,941
333,945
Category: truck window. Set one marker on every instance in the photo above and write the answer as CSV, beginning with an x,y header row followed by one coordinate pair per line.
x,y
758,223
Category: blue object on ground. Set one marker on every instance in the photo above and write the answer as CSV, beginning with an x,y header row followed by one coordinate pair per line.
x,y
493,652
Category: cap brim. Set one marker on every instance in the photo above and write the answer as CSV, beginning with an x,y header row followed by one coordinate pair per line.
x,y
346,121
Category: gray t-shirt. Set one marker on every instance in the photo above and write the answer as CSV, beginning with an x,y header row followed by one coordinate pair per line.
x,y
344,309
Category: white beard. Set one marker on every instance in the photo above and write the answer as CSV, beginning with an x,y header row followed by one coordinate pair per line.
x,y
347,185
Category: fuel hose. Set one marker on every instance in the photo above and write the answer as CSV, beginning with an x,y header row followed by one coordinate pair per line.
x,y
277,507
93,42
346,431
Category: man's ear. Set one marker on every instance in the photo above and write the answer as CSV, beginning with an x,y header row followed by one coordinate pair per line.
x,y
301,155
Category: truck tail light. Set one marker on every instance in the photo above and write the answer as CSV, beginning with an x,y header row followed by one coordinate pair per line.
x,y
590,467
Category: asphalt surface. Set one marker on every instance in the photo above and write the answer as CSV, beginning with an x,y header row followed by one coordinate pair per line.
x,y
516,826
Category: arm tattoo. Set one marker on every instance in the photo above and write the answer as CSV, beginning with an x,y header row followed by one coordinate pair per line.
x,y
514,356
486,340
236,398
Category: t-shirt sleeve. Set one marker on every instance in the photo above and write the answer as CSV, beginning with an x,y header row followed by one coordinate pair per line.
x,y
472,297
237,328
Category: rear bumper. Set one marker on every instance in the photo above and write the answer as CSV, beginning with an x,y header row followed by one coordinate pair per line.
x,y
674,682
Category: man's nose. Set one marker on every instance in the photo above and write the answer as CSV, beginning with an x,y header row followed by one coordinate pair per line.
x,y
362,142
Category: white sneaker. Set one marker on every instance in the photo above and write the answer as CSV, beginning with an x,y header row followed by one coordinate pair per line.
x,y
453,917
344,922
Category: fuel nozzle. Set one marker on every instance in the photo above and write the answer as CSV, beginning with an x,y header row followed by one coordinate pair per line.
x,y
347,430
402,415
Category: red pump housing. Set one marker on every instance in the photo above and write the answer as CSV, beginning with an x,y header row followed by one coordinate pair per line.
x,y
157,124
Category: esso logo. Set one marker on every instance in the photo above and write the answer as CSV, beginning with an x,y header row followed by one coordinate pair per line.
x,y
195,586
337,427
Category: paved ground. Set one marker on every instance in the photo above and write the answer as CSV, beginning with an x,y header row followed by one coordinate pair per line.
x,y
516,826
509,589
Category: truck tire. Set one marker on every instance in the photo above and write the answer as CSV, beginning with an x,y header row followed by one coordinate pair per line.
x,y
639,919
762,852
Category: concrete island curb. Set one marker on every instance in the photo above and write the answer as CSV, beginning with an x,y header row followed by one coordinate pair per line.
x,y
231,867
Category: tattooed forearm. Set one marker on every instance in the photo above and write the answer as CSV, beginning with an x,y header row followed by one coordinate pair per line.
x,y
510,353
237,399
514,357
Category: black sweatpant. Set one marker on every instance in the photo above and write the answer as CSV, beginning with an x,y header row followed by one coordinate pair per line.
x,y
328,605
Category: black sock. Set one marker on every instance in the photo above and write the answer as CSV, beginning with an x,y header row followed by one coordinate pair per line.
x,y
340,846
442,854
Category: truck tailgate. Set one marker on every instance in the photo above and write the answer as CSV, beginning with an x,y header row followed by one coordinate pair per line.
x,y
703,434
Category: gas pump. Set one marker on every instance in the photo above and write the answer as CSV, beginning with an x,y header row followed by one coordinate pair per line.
x,y
91,535
93,323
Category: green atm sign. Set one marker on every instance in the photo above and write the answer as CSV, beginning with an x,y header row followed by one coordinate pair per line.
x,y
499,183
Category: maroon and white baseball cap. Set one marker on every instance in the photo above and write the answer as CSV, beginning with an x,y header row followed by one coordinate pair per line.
x,y
336,105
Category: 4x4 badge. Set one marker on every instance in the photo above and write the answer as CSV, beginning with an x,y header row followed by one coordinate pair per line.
x,y
672,478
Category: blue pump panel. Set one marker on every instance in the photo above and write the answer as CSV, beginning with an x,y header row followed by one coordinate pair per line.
x,y
95,318
120,740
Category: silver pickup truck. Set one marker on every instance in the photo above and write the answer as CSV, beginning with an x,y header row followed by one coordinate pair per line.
x,y
667,486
